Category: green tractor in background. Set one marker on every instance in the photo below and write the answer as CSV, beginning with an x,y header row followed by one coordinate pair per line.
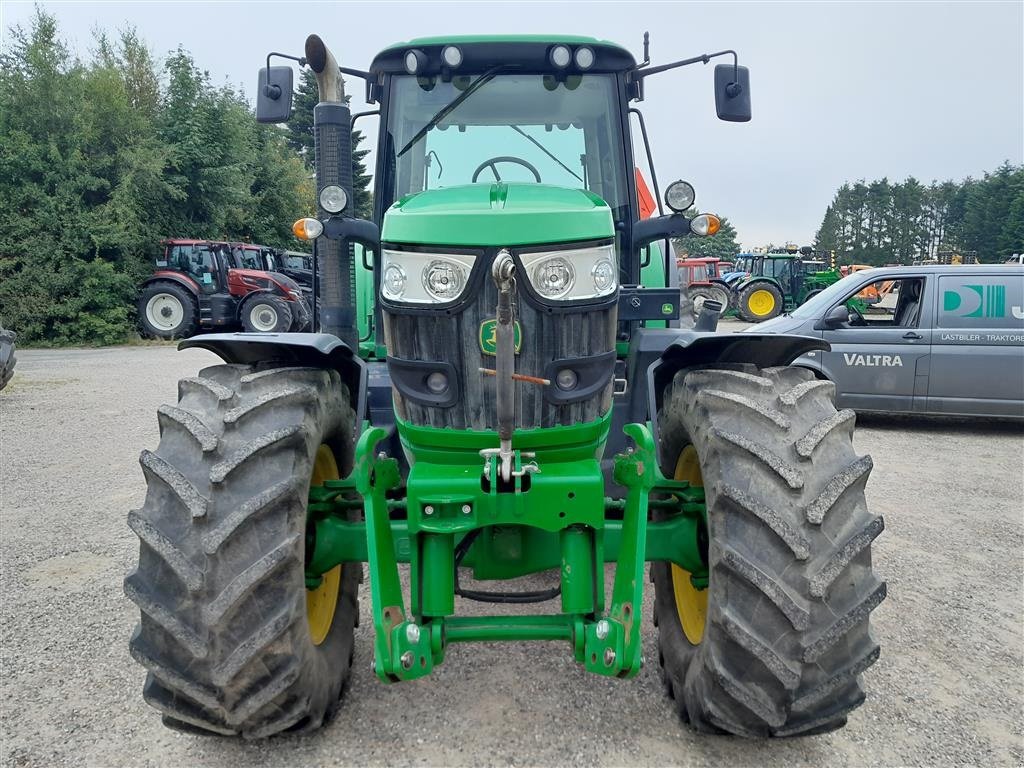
x,y
779,280
500,385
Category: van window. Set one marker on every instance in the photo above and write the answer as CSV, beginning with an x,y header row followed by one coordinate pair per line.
x,y
891,303
977,301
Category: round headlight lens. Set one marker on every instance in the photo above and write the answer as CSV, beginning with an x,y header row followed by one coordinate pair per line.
x,y
437,383
452,56
553,278
566,379
584,58
604,276
394,281
333,199
443,279
561,56
415,60
679,196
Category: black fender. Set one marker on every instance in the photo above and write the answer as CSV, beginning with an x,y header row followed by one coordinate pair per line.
x,y
316,350
691,349
757,279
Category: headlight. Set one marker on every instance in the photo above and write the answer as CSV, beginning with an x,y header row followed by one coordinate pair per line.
x,y
443,279
424,278
680,195
333,198
570,275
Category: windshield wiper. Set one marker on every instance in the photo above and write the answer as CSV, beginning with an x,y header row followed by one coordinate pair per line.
x,y
452,106
544,149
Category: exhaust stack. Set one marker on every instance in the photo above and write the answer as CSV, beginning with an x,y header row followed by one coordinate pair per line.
x,y
332,137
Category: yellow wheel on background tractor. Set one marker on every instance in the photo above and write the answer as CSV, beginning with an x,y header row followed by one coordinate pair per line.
x,y
761,303
760,300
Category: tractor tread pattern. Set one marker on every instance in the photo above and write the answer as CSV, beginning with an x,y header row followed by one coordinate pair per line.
x,y
754,406
781,527
176,560
168,415
182,488
787,634
220,583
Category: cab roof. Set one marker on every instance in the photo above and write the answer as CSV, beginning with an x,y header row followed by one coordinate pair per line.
x,y
472,39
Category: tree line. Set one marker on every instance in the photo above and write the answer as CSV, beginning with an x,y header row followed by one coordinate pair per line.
x,y
883,222
103,158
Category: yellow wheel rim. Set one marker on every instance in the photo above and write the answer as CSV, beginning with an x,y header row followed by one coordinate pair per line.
x,y
761,302
321,602
691,603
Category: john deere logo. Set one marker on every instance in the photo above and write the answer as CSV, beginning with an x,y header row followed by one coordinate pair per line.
x,y
489,337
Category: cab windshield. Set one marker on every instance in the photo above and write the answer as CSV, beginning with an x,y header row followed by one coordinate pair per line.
x,y
500,126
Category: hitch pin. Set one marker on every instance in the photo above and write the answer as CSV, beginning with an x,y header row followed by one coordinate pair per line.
x,y
518,377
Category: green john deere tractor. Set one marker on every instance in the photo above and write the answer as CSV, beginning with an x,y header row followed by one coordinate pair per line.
x,y
778,281
500,386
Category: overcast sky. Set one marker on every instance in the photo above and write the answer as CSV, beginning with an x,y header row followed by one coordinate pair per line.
x,y
841,91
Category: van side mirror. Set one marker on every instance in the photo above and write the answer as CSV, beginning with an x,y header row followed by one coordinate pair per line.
x,y
274,95
836,317
732,93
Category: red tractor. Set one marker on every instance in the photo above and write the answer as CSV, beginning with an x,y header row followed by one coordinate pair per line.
x,y
700,280
204,284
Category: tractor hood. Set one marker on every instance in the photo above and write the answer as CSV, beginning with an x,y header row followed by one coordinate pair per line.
x,y
497,215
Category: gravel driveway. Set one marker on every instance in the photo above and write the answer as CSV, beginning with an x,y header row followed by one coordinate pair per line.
x,y
947,690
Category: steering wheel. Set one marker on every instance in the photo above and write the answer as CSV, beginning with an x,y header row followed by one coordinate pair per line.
x,y
492,163
856,318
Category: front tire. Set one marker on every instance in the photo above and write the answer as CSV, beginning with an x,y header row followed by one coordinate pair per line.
x,y
266,313
759,301
232,640
167,311
785,635
7,357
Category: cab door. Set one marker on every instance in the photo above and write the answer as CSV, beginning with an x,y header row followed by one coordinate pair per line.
x,y
879,360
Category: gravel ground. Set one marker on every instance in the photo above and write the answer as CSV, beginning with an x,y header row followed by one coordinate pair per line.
x,y
947,690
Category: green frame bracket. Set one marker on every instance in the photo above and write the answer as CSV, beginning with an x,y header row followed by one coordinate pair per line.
x,y
556,518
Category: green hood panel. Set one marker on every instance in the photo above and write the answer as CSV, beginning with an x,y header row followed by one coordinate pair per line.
x,y
498,214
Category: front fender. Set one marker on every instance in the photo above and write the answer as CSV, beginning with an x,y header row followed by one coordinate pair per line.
x,y
316,350
692,349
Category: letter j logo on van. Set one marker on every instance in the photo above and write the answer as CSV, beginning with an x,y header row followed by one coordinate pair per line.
x,y
975,301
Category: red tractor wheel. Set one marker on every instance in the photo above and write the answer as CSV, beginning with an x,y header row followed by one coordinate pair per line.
x,y
266,313
167,310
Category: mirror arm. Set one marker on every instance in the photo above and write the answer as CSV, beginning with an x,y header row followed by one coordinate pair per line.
x,y
734,87
273,91
659,228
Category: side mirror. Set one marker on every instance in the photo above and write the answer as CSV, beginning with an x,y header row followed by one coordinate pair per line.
x,y
732,93
836,317
274,95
